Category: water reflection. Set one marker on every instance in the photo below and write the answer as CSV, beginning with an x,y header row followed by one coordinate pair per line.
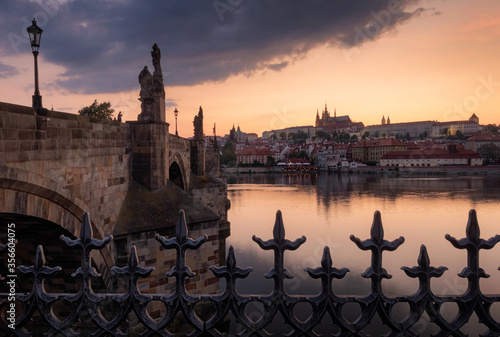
x,y
328,208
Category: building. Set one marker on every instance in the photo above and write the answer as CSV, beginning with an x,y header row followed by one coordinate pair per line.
x,y
423,129
340,124
476,141
403,130
373,150
309,130
250,155
236,135
432,158
466,127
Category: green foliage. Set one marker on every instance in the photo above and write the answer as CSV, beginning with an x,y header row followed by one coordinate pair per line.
x,y
323,134
283,136
365,135
98,110
228,156
270,161
459,135
491,128
298,138
490,152
296,154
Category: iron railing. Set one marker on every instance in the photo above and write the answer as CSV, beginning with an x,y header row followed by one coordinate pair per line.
x,y
230,303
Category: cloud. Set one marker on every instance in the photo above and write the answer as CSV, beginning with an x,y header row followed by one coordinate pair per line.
x,y
105,45
7,70
170,103
278,66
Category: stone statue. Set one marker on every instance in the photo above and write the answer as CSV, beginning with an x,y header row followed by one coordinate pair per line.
x,y
146,81
156,55
198,125
152,94
120,116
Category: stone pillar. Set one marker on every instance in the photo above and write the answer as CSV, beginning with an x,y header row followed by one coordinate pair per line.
x,y
150,144
198,146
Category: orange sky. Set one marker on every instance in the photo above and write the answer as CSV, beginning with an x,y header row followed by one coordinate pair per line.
x,y
436,67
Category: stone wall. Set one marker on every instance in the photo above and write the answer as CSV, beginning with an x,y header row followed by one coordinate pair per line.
x,y
152,254
149,154
87,157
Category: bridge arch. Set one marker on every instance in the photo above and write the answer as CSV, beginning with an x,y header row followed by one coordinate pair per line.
x,y
24,193
177,172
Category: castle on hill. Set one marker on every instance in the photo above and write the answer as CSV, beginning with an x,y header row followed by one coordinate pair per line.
x,y
338,124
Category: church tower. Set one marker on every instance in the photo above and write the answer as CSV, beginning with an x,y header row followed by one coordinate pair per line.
x,y
325,115
383,120
388,120
317,119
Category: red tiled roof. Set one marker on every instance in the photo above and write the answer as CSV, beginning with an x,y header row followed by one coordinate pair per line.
x,y
485,137
431,153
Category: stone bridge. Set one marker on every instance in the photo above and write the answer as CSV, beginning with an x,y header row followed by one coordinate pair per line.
x,y
131,177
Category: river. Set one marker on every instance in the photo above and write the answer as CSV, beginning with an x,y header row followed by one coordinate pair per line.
x,y
328,208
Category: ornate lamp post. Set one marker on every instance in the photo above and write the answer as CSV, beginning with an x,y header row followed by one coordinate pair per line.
x,y
176,113
35,34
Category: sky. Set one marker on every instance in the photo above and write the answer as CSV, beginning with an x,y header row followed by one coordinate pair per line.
x,y
261,64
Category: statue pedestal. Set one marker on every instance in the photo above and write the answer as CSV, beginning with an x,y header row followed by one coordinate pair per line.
x,y
147,110
153,109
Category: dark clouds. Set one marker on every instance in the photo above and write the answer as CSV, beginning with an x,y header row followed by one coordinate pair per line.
x,y
105,44
7,70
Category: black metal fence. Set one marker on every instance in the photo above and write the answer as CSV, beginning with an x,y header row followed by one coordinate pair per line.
x,y
229,303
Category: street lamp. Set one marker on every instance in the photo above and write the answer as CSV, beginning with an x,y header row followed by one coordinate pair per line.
x,y
176,113
35,34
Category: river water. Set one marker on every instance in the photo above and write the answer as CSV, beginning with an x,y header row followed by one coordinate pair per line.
x,y
328,208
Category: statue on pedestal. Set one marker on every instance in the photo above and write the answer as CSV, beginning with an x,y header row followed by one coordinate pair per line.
x,y
198,125
152,94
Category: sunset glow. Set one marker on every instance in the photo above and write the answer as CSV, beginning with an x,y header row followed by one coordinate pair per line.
x,y
442,64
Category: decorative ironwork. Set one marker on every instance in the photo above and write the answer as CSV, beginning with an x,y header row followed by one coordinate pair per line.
x,y
326,304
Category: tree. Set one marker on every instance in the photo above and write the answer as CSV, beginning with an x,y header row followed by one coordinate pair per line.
x,y
297,154
98,110
459,135
376,134
491,128
228,154
365,135
323,134
490,152
283,136
270,161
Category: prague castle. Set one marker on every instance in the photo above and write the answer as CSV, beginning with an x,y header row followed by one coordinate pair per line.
x,y
336,124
